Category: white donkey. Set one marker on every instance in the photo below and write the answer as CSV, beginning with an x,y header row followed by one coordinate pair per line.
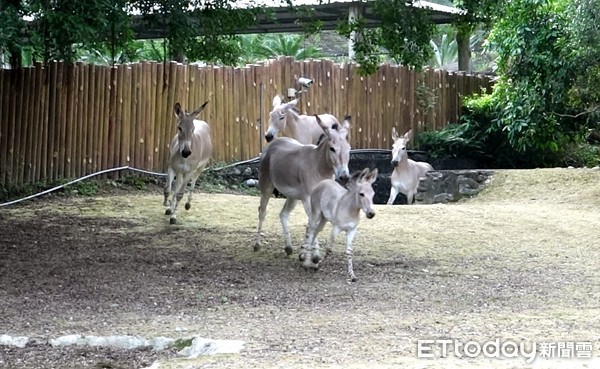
x,y
295,170
407,172
340,206
303,128
190,151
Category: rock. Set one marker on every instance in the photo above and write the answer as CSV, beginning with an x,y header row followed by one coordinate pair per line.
x,y
442,198
17,341
251,182
467,186
451,185
160,343
204,346
247,171
596,168
124,342
71,339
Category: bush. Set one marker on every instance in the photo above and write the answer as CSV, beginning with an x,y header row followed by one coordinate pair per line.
x,y
480,139
475,138
453,141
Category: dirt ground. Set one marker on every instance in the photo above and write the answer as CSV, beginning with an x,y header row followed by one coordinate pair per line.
x,y
519,262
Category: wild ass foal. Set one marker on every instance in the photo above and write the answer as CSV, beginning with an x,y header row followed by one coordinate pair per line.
x,y
296,169
190,151
303,128
340,206
407,172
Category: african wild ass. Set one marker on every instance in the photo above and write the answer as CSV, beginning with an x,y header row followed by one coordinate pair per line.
x,y
303,128
407,172
190,151
330,202
296,169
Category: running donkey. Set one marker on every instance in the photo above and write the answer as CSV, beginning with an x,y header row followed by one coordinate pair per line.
x,y
340,206
296,169
190,151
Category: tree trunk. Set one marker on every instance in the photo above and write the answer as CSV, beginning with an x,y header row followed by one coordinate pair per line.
x,y
464,51
178,56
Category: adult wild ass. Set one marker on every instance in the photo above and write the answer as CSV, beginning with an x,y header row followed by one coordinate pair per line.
x,y
296,169
303,128
190,151
407,172
330,202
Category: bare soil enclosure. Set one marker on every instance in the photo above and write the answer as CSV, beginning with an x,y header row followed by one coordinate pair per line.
x,y
519,262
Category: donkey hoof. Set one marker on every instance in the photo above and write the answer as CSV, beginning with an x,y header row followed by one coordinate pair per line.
x,y
353,279
315,258
302,256
168,212
288,250
173,220
188,206
256,247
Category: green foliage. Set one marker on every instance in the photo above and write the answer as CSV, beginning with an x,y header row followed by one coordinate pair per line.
x,y
548,74
534,73
207,32
584,28
405,33
469,139
478,138
581,154
366,44
83,188
101,30
12,26
134,51
477,13
59,25
453,141
444,54
137,182
182,343
261,47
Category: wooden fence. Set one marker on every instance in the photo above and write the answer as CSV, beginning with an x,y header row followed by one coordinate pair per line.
x,y
65,121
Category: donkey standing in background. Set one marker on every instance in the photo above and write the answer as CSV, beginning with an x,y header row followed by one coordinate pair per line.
x,y
407,172
296,169
303,128
340,206
190,151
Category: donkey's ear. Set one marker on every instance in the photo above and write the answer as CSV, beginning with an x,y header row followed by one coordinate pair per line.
x,y
292,104
345,129
323,126
372,177
358,175
408,135
197,111
394,134
346,122
276,101
177,110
